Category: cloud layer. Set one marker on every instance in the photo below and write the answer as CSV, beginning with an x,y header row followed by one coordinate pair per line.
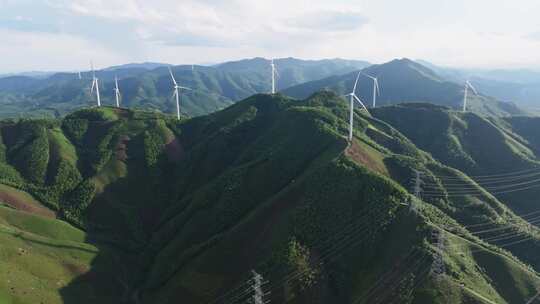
x,y
117,31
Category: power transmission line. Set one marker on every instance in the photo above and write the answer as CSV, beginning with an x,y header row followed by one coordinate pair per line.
x,y
463,181
257,286
492,175
352,232
438,268
480,192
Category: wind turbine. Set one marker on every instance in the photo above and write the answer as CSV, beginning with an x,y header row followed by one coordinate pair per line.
x,y
116,92
176,93
80,76
95,85
467,86
376,89
274,72
354,98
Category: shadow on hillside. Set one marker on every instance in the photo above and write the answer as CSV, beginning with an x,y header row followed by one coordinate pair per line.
x,y
106,281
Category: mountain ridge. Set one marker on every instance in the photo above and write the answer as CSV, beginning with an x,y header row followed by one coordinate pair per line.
x,y
403,80
186,209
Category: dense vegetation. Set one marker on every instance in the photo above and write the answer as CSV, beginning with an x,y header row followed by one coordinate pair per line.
x,y
182,211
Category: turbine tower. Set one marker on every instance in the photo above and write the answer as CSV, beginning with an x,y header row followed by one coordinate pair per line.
x,y
274,72
116,92
467,86
354,98
95,85
376,89
176,93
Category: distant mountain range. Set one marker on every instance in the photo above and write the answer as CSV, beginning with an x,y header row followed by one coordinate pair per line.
x,y
403,80
520,86
149,86
33,74
144,65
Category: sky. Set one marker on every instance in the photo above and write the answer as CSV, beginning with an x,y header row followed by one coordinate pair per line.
x,y
56,35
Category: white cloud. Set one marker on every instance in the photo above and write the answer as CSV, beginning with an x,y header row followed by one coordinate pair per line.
x,y
457,32
50,52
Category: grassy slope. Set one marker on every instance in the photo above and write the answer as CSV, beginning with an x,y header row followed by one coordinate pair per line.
x,y
23,201
39,257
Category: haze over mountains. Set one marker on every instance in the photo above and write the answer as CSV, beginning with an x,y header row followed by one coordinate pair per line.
x,y
174,211
520,86
404,80
215,87
148,86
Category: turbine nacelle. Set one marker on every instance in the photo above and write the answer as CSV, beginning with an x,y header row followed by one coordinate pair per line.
x,y
354,98
376,89
275,74
176,92
116,92
95,85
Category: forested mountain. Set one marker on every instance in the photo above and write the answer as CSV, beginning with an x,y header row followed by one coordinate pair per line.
x,y
114,205
149,86
404,80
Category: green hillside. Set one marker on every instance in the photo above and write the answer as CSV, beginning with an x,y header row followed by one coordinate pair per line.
x,y
475,145
403,80
182,211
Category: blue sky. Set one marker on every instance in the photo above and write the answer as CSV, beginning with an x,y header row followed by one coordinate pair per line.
x,y
66,34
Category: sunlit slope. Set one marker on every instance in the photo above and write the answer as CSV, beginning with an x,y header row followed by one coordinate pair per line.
x,y
40,256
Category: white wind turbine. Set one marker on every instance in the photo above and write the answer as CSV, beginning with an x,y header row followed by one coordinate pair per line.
x,y
95,85
465,95
176,93
354,98
376,89
274,72
116,92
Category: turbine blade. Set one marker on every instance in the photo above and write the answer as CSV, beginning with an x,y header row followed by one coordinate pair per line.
x,y
377,86
185,88
360,102
93,86
367,75
472,88
356,82
172,76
